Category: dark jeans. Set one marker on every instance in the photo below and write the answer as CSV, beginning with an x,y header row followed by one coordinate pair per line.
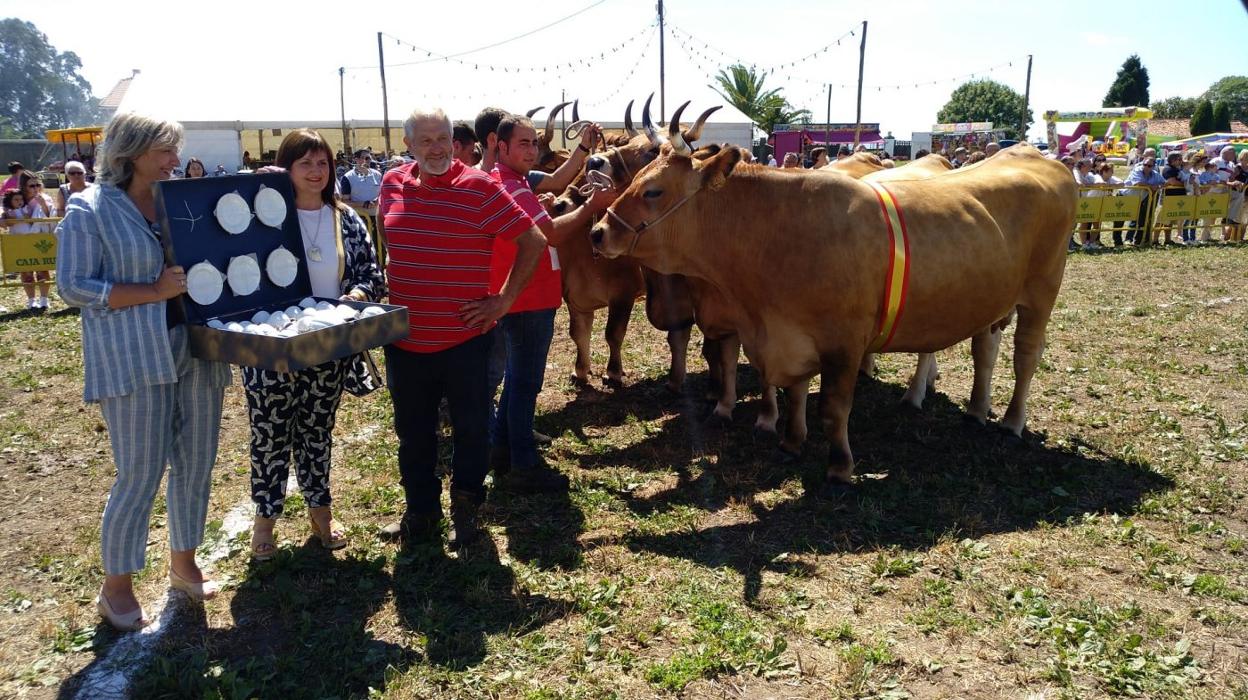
x,y
1118,233
417,383
526,335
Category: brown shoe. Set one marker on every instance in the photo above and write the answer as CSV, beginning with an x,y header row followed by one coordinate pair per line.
x,y
465,527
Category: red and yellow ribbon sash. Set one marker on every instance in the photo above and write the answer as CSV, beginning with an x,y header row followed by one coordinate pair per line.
x,y
897,278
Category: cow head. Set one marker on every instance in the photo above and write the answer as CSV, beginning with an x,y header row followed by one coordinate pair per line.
x,y
625,157
658,196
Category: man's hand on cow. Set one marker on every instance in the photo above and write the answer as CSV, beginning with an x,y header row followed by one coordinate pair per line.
x,y
599,200
590,135
484,312
547,200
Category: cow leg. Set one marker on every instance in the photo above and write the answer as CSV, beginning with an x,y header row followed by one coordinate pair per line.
x,y
729,349
837,398
795,430
867,368
920,381
711,350
678,346
580,324
769,414
618,315
984,348
1028,344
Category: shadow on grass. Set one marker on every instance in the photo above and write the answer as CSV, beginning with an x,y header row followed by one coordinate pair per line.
x,y
921,477
303,626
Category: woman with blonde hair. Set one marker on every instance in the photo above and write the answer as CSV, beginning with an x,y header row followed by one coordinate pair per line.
x,y
162,406
293,413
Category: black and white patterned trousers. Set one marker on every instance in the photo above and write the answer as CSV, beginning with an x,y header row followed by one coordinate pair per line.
x,y
292,412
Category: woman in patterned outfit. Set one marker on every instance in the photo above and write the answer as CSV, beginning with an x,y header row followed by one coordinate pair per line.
x,y
293,412
161,405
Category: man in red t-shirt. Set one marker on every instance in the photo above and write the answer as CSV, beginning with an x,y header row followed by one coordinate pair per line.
x,y
525,332
441,219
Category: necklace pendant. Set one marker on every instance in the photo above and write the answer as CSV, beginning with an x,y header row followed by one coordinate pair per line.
x,y
314,254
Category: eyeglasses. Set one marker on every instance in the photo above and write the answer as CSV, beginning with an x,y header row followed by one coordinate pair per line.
x,y
34,186
76,172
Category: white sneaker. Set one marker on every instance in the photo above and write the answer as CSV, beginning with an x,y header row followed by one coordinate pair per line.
x,y
43,302
32,303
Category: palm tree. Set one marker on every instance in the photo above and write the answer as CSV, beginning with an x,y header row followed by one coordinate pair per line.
x,y
742,88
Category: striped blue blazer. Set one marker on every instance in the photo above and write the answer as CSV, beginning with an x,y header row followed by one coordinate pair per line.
x,y
104,240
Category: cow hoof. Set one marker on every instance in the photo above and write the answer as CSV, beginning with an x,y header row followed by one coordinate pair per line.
x,y
905,406
673,390
782,456
1009,438
578,381
833,488
763,435
973,420
613,382
715,421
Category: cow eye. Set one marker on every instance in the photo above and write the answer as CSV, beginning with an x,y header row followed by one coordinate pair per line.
x,y
652,194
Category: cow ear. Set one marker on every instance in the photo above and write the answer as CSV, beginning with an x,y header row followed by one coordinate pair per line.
x,y
716,169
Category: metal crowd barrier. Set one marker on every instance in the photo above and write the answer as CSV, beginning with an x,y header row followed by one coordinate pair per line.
x,y
1143,213
26,252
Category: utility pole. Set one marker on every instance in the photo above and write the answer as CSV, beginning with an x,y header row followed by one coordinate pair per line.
x,y
862,55
1022,127
662,75
342,105
563,120
385,99
827,130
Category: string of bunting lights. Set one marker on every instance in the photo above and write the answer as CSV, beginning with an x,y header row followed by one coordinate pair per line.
x,y
763,68
623,82
435,57
513,86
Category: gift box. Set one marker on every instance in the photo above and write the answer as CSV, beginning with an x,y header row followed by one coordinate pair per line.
x,y
194,220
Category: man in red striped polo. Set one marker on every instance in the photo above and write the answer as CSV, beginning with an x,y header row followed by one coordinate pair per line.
x,y
441,218
524,334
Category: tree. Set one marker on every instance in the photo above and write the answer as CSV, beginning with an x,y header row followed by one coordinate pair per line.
x,y
1130,88
986,101
1202,120
742,88
1233,90
1175,108
1222,118
41,88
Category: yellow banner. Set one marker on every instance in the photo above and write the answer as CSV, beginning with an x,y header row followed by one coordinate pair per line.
x,y
1177,206
1121,207
28,252
1088,210
1212,206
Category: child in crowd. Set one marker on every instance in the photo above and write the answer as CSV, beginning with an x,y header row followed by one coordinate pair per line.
x,y
15,211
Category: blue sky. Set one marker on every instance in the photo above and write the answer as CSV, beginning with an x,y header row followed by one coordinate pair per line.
x,y
231,60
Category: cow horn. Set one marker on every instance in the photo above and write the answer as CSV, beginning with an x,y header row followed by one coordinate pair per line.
x,y
648,125
533,111
679,146
628,120
694,132
576,111
549,132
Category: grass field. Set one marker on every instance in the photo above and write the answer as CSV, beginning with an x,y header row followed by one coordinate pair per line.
x,y
1105,557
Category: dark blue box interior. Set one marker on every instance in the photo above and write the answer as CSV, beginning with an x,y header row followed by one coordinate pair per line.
x,y
193,235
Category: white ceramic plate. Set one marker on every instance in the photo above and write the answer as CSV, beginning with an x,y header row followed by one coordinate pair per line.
x,y
243,275
282,266
270,208
204,283
233,213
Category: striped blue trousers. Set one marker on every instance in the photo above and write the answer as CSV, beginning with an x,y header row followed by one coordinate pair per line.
x,y
163,424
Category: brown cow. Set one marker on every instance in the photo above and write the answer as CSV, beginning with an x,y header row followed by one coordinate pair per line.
x,y
980,244
926,372
591,282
